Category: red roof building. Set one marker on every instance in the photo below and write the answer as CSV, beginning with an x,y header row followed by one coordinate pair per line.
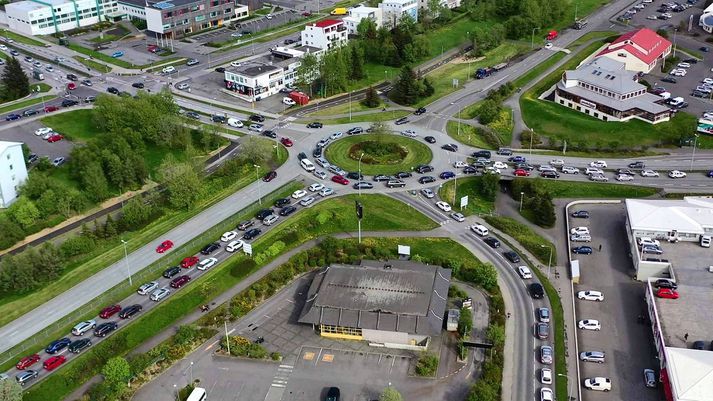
x,y
326,34
640,50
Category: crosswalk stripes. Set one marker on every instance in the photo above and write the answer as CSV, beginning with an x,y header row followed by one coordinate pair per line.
x,y
282,375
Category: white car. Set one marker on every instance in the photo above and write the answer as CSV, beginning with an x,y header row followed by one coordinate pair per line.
x,y
148,287
579,230
169,70
235,63
546,394
3,47
683,65
590,296
458,217
708,81
316,187
299,194
443,206
228,236
160,294
652,17
326,192
268,16
43,131
500,165
624,177
427,193
557,162
322,162
676,174
236,35
589,324
307,201
546,376
49,68
647,241
598,383
255,127
320,174
409,133
336,136
491,170
598,164
593,170
649,173
235,123
288,101
479,229
524,272
270,220
234,246
570,170
83,327
598,177
548,45
207,263
459,164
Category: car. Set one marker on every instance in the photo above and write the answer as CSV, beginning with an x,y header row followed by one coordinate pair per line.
x,y
32,157
255,127
469,170
288,101
69,103
546,376
80,345
546,393
543,315
363,185
396,183
598,384
49,109
676,174
667,293
270,176
652,249
27,361
401,121
332,394
649,378
57,345
546,354
299,194
220,69
210,248
649,173
511,256
118,54
647,241
524,272
229,235
307,201
160,294
427,193
171,271
112,90
409,133
451,147
180,281
517,159
402,174
355,130
206,263
104,329
426,179
669,79
579,230
598,164
382,178
592,356
598,178
26,376
521,173
590,296
12,117
130,311
71,86
424,168
281,203
257,118
164,246
190,261
109,311
244,225
443,206
419,111
429,139
314,124
262,214
269,133
581,214
269,220
458,217
549,174
665,283
235,123
335,136
287,210
340,180
193,115
699,345
287,142
447,175
589,324
237,244
492,242
146,288
537,291
316,187
192,61
499,164
326,192
54,138
683,65
30,112
58,161
83,327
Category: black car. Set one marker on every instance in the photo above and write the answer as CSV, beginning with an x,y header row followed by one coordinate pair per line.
x,y
697,93
282,202
193,115
287,210
419,111
355,130
470,170
69,103
670,80
451,147
430,139
270,134
482,153
32,158
664,283
511,256
355,175
72,77
257,118
250,234
210,248
171,271
505,152
104,329
79,345
624,171
382,177
314,124
218,119
139,85
30,112
112,90
582,214
537,291
402,174
699,345
424,168
402,120
524,166
426,179
549,174
130,311
332,394
301,156
691,60
492,242
220,69
289,41
317,152
244,225
262,214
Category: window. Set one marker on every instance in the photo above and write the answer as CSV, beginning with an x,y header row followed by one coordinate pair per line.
x,y
11,167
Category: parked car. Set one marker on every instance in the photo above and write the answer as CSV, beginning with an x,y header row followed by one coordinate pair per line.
x,y
57,345
104,329
667,293
650,378
147,288
589,324
210,248
79,345
130,311
238,244
592,356
492,242
27,361
189,261
590,296
537,291
582,214
546,354
543,315
443,206
598,384
109,311
207,263
252,233
582,250
160,294
83,327
180,281
23,378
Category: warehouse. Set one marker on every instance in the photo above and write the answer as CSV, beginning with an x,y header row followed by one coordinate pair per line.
x,y
396,304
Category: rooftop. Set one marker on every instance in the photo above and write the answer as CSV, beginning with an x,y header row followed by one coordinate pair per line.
x,y
689,215
26,6
643,44
608,74
4,145
169,4
691,373
326,23
391,296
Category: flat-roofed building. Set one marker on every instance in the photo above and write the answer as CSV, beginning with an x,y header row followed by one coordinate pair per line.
x,y
46,17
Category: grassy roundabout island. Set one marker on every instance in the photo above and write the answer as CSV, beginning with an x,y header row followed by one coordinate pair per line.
x,y
383,153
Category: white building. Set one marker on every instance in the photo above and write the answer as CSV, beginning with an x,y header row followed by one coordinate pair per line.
x,y
326,34
706,19
394,10
359,13
640,50
423,4
13,172
51,16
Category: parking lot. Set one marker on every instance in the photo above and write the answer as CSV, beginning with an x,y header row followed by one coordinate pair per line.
x,y
25,132
627,344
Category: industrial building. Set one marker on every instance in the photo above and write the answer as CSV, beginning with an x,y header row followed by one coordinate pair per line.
x,y
13,172
396,304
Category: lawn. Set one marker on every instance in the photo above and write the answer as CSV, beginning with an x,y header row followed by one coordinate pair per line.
x,y
588,190
467,134
538,70
523,234
26,103
19,38
466,186
92,64
369,117
591,36
389,153
344,109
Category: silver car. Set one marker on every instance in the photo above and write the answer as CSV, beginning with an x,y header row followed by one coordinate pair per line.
x,y
160,294
546,354
83,327
147,288
570,170
24,377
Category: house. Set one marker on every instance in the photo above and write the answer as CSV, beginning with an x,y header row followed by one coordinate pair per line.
x,y
639,50
326,34
359,13
394,10
13,172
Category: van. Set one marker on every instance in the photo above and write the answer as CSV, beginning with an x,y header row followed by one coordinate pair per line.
x,y
479,229
706,241
665,95
307,165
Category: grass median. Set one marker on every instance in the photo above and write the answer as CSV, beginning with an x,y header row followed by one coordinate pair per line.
x,y
26,103
523,234
87,62
468,186
382,153
368,117
588,190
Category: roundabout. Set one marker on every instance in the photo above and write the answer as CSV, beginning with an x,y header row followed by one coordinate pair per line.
x,y
382,153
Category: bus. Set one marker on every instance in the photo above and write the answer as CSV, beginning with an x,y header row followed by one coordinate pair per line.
x,y
198,394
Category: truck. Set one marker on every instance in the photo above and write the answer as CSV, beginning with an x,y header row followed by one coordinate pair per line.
x,y
299,97
38,75
580,23
339,11
551,35
481,73
453,318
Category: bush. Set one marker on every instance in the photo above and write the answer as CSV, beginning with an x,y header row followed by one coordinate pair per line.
x,y
523,234
427,364
76,246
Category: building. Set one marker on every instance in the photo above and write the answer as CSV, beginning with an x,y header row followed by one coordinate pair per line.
x,y
396,304
45,17
394,10
640,50
423,4
359,13
706,19
13,172
326,34
177,18
605,89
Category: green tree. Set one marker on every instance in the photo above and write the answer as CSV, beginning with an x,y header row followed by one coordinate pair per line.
x,y
135,213
24,211
307,72
489,186
10,232
489,111
406,90
496,335
185,334
465,323
482,391
14,82
95,183
390,394
182,182
371,98
116,372
255,150
10,390
378,127
357,63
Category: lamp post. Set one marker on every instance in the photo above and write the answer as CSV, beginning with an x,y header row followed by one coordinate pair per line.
x,y
522,195
350,105
532,38
359,178
569,385
277,151
257,177
191,372
126,261
693,154
549,262
175,390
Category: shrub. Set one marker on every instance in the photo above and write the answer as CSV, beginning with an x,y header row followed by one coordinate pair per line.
x,y
427,364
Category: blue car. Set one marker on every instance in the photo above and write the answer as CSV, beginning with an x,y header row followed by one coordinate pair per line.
x,y
710,174
582,214
447,174
582,250
117,54
57,345
517,159
11,117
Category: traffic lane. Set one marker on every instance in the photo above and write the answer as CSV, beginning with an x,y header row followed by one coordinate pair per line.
x,y
46,52
25,133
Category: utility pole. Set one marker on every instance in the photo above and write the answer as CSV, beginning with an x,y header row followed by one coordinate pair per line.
x,y
126,261
532,38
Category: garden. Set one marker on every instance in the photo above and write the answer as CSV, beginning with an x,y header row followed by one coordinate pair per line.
x,y
382,153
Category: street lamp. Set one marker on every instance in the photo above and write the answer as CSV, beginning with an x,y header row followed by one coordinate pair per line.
x,y
257,177
350,105
522,195
175,389
693,155
532,38
277,151
549,262
569,385
126,261
191,372
359,178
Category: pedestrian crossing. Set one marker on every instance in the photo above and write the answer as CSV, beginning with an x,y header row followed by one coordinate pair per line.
x,y
279,382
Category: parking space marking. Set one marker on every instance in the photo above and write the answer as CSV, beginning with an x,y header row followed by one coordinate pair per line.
x,y
328,358
308,356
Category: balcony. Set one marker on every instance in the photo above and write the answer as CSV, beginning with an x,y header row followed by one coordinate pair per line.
x,y
341,28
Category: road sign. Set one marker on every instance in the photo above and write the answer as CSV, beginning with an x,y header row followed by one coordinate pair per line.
x,y
404,250
455,82
464,201
248,249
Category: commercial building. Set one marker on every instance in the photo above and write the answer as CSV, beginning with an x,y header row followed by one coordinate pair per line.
x,y
326,34
397,304
177,18
639,50
359,13
45,17
706,19
605,89
13,172
394,10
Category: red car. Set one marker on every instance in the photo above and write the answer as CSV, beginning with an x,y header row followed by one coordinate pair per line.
x,y
287,142
270,176
189,262
27,361
667,293
340,180
521,173
54,362
71,86
55,138
180,281
49,109
306,14
109,311
165,245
